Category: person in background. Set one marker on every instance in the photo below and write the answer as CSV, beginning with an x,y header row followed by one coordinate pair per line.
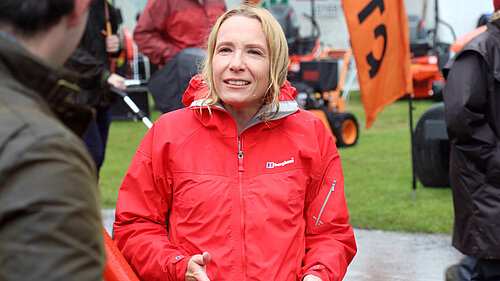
x,y
165,27
172,34
91,60
241,184
472,114
50,220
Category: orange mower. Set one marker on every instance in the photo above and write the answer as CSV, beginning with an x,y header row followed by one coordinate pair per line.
x,y
313,71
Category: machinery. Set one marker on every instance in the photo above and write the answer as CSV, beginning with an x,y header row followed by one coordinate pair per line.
x,y
314,72
428,57
431,143
134,67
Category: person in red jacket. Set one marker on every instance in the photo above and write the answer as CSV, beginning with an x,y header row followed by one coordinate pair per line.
x,y
241,184
172,33
165,27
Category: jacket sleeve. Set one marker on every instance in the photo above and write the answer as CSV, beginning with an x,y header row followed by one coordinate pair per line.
x,y
140,228
50,215
150,33
93,73
330,243
468,85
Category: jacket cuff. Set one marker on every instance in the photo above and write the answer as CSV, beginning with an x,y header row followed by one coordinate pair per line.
x,y
318,271
105,76
178,267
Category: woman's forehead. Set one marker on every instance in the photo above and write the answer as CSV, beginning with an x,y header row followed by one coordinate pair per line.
x,y
241,27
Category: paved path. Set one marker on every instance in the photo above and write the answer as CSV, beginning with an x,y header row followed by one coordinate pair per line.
x,y
389,256
386,255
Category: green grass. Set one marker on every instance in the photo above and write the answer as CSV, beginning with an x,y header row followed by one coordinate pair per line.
x,y
378,177
124,138
377,172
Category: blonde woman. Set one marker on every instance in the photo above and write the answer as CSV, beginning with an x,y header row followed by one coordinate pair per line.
x,y
242,184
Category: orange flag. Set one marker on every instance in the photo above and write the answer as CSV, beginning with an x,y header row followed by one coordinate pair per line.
x,y
381,46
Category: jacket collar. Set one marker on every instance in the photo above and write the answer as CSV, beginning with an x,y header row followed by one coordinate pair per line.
x,y
478,44
195,97
47,81
55,86
494,53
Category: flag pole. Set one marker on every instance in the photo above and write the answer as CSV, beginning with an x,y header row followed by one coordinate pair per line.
x,y
414,181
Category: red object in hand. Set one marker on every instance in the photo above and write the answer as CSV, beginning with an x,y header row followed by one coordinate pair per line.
x,y
117,268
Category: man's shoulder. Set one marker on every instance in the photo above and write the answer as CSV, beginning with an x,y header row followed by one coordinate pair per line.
x,y
27,125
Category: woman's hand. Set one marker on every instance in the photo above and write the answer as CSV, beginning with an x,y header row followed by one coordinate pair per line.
x,y
311,278
196,268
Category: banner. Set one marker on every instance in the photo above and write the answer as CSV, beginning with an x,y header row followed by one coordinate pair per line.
x,y
381,46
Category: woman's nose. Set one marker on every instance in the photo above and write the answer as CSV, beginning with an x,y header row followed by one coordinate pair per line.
x,y
237,62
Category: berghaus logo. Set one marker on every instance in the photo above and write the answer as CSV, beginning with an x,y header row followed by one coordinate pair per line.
x,y
271,165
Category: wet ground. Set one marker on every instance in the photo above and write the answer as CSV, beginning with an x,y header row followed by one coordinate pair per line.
x,y
385,255
389,256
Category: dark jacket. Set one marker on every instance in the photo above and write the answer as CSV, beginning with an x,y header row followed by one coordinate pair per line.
x,y
50,221
91,60
472,112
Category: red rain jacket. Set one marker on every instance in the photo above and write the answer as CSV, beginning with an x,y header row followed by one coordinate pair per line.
x,y
167,26
251,200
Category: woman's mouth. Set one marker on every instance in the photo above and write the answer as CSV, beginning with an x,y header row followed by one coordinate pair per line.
x,y
236,82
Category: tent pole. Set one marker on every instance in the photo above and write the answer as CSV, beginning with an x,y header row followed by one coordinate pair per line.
x,y
414,182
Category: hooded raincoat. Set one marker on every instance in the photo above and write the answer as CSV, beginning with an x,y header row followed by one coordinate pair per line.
x,y
267,203
472,113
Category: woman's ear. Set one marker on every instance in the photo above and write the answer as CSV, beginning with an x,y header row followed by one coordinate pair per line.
x,y
79,10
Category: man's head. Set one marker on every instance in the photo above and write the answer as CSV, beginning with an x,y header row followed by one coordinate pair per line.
x,y
44,26
31,16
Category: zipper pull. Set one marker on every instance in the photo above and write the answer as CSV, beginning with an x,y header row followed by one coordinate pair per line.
x,y
326,200
240,153
240,157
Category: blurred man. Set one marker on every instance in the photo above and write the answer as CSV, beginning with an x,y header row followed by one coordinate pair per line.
x,y
50,222
472,113
91,60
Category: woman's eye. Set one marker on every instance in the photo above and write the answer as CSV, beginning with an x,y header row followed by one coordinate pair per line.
x,y
224,50
255,52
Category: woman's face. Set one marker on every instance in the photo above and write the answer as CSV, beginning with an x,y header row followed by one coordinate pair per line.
x,y
241,64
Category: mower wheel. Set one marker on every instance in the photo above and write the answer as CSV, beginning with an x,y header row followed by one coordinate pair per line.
x,y
432,154
345,128
437,91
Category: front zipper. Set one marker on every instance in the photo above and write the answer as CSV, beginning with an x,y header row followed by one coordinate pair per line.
x,y
242,207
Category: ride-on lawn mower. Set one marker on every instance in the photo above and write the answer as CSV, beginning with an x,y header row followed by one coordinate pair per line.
x,y
313,71
427,60
424,62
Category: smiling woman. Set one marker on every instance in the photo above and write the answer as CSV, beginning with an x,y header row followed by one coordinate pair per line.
x,y
241,184
272,49
241,68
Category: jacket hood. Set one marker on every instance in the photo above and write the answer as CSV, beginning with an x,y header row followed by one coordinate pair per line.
x,y
198,89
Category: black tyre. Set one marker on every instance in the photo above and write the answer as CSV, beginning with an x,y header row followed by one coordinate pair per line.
x,y
437,91
432,155
345,128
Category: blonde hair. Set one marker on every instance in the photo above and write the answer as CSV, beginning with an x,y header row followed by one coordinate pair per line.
x,y
278,54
